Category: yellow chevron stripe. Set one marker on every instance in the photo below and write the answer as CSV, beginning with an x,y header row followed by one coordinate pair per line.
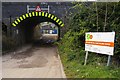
x,y
24,16
30,15
55,18
62,25
42,13
21,18
46,14
18,20
39,13
27,15
52,16
36,13
13,24
49,15
33,14
58,20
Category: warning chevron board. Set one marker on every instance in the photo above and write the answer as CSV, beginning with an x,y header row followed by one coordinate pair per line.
x,y
39,14
100,42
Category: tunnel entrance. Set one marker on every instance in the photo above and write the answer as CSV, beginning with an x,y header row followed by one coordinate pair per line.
x,y
27,26
46,31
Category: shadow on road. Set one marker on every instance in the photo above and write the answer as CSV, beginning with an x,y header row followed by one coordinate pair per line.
x,y
43,43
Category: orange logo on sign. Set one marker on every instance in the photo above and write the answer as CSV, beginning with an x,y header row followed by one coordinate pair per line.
x,y
91,36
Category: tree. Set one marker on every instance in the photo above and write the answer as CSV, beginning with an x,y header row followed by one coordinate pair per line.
x,y
93,17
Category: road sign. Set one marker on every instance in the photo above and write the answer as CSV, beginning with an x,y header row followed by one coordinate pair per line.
x,y
33,8
38,9
100,42
54,31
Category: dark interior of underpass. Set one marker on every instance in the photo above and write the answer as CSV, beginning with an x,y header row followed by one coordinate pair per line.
x,y
27,31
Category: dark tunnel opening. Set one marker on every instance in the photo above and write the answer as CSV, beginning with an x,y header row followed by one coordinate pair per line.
x,y
26,27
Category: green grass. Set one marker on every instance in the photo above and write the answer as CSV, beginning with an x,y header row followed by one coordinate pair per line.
x,y
72,53
95,68
74,69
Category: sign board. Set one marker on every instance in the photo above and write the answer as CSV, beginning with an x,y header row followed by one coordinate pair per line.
x,y
38,9
100,42
54,31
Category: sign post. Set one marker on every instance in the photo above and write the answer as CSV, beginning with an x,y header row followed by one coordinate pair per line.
x,y
27,8
109,58
86,56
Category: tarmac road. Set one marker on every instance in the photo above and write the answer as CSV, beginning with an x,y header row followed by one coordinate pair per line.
x,y
33,62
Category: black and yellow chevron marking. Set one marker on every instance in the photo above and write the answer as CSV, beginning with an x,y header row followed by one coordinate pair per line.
x,y
44,14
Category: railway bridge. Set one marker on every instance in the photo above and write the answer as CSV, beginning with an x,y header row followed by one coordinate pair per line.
x,y
21,24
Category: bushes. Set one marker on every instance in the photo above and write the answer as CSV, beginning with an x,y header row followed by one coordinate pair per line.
x,y
72,43
83,18
7,43
72,56
71,47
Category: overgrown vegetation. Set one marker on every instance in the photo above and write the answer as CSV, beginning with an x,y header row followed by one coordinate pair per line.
x,y
90,17
7,43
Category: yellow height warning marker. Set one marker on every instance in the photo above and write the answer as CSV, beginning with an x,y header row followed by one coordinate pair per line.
x,y
33,13
21,18
52,16
13,24
49,15
39,13
24,17
46,14
27,15
18,20
36,13
62,25
42,13
30,14
58,20
55,18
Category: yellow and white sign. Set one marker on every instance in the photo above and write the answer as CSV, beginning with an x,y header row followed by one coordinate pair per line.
x,y
100,42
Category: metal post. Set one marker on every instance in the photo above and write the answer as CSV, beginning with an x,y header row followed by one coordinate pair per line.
x,y
109,58
58,33
48,9
86,56
10,26
27,8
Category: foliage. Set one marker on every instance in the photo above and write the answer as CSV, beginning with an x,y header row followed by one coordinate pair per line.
x,y
7,43
74,69
70,45
84,17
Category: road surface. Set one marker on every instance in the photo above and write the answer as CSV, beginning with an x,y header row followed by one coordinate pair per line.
x,y
33,62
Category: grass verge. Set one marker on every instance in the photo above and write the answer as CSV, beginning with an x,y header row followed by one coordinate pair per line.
x,y
96,65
